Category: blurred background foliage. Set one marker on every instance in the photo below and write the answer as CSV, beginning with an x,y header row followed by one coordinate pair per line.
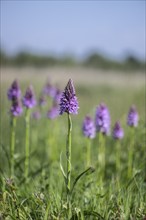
x,y
93,60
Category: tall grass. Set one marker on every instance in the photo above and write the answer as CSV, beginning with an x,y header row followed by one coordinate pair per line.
x,y
43,196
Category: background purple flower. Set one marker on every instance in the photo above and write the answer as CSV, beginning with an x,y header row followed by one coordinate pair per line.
x,y
88,127
102,119
36,115
14,91
57,96
118,132
16,108
68,101
42,101
133,117
49,90
29,100
53,112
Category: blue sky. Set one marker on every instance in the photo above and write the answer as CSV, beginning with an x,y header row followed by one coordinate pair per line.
x,y
77,27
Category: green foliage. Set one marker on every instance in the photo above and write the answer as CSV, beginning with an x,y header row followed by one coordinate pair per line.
x,y
133,63
94,60
99,61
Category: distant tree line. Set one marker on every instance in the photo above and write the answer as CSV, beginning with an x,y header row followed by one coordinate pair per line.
x,y
92,61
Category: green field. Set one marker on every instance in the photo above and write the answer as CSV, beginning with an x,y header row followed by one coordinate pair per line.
x,y
43,195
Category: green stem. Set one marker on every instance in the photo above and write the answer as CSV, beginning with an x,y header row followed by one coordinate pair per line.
x,y
12,145
88,152
130,154
27,137
49,140
68,156
101,155
118,163
52,141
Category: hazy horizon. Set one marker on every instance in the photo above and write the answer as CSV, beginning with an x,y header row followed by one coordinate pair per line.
x,y
113,29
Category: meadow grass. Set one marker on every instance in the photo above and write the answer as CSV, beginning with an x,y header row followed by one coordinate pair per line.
x,y
43,196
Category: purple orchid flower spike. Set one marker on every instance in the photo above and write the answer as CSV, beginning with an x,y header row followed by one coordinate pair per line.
x,y
53,112
68,101
16,108
14,91
29,100
102,119
57,96
88,127
42,101
49,90
118,132
36,115
133,117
